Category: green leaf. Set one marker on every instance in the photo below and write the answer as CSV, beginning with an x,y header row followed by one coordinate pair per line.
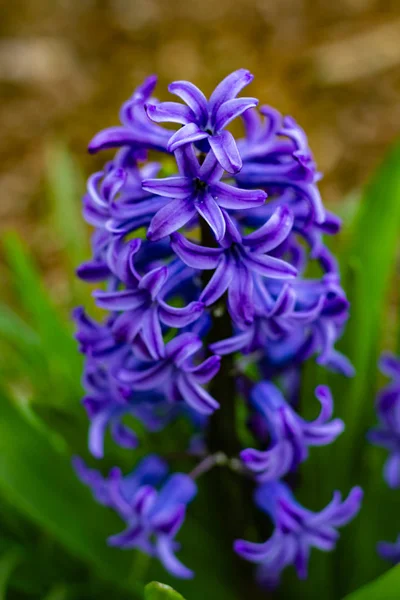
x,y
65,186
386,587
8,562
368,262
39,480
59,360
160,591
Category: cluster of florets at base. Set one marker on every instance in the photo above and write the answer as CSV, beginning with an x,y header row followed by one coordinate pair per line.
x,y
232,231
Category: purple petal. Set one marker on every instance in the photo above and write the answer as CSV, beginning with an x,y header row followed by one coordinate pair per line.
x,y
219,282
146,379
251,551
235,198
273,233
180,317
93,271
127,539
229,88
113,137
183,346
169,520
124,436
170,218
211,213
193,255
186,135
128,324
166,555
193,97
152,334
231,109
268,266
284,303
321,435
169,187
97,430
210,171
154,280
232,344
120,257
170,112
390,365
224,147
112,183
195,396
323,394
123,300
206,370
187,162
271,464
391,471
179,489
240,296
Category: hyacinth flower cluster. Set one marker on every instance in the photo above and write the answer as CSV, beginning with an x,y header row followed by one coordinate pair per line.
x,y
203,272
387,435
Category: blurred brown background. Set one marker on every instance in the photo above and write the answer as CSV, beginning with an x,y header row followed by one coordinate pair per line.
x,y
67,65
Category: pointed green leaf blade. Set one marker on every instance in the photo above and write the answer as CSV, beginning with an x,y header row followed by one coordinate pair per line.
x,y
39,480
386,587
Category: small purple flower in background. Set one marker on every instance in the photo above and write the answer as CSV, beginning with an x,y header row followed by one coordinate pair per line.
x,y
153,515
387,434
390,552
210,250
290,435
297,530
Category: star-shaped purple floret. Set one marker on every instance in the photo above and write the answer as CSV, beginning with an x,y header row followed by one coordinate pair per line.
x,y
141,304
237,261
297,530
176,375
290,435
153,515
197,190
204,119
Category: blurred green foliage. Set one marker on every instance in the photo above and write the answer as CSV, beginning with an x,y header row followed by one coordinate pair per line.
x,y
52,534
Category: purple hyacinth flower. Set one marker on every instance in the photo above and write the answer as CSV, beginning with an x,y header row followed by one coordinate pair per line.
x,y
141,305
238,261
387,434
176,375
297,530
153,516
204,119
137,130
390,552
290,434
197,191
